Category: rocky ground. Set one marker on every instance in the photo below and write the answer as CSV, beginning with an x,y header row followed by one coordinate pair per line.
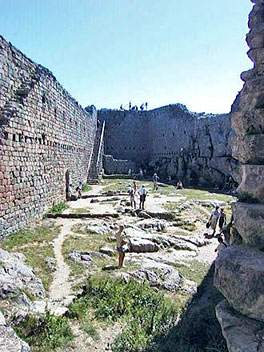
x,y
168,250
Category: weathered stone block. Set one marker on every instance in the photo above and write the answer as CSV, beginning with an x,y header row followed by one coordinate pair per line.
x,y
239,276
249,221
252,181
242,334
248,122
248,149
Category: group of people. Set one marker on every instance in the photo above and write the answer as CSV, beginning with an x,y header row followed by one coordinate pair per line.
x,y
72,194
134,192
228,234
143,106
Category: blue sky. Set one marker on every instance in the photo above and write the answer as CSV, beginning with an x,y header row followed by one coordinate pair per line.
x,y
107,52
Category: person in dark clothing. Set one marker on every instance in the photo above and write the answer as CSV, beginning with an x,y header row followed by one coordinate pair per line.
x,y
222,219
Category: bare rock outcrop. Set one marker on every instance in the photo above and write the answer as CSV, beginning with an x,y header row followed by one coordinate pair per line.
x,y
239,275
240,270
242,334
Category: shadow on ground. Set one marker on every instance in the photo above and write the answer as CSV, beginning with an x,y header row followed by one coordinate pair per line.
x,y
198,329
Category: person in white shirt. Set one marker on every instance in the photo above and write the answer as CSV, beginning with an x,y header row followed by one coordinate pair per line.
x,y
142,196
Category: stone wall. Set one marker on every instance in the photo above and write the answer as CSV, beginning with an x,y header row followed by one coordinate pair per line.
x,y
45,134
173,142
240,268
118,166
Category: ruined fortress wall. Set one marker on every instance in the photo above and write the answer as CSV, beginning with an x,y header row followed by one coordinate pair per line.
x,y
44,133
172,141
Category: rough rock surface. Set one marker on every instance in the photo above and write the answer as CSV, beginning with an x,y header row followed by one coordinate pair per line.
x,y
140,245
9,341
15,276
249,221
239,275
240,270
242,334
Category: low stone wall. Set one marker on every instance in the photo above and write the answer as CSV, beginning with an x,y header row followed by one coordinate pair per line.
x,y
117,166
172,141
46,139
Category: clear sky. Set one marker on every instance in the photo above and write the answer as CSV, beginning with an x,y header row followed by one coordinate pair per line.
x,y
107,52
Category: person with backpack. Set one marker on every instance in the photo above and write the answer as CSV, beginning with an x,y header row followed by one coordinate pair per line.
x,y
142,196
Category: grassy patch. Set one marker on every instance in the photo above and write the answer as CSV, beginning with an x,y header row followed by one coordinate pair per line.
x,y
146,312
194,270
90,243
79,210
86,187
59,208
45,335
35,245
90,330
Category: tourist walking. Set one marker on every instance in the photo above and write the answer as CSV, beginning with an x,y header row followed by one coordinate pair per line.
x,y
121,245
155,182
142,196
214,218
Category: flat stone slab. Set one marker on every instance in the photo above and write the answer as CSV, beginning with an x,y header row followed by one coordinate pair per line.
x,y
83,215
242,334
239,276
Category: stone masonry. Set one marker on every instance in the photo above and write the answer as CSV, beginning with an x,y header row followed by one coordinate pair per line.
x,y
172,141
239,271
46,139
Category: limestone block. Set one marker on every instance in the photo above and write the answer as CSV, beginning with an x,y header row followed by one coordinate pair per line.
x,y
252,182
241,333
248,122
249,221
239,276
139,245
248,149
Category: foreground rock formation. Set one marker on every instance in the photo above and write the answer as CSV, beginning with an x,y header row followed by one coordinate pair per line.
x,y
240,269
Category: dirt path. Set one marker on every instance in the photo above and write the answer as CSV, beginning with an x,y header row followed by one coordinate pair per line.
x,y
60,287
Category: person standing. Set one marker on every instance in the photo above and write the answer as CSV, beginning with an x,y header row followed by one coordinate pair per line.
x,y
214,218
121,245
155,182
222,219
142,196
132,195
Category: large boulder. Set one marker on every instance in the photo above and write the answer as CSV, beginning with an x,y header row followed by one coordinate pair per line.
x,y
239,276
15,276
140,245
242,334
249,221
252,182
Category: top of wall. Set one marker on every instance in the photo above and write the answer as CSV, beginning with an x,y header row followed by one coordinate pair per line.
x,y
175,108
7,47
